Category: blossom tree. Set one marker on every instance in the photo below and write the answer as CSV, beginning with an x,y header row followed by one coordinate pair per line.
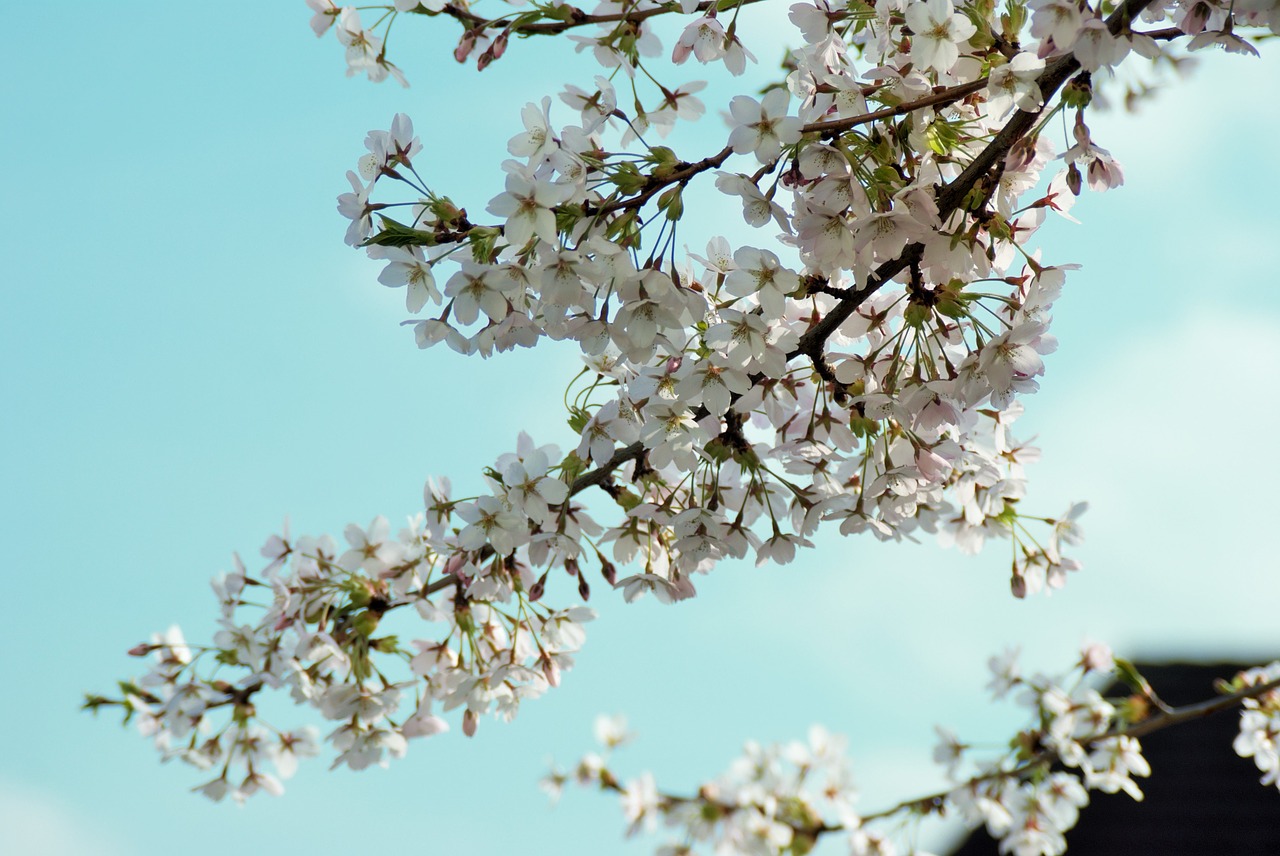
x,y
860,367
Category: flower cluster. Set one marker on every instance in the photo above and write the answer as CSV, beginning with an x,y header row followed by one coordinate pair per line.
x,y
365,51
747,401
771,799
781,799
1259,736
320,624
861,368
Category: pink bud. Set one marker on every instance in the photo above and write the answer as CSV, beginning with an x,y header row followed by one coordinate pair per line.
x,y
499,46
584,590
609,572
465,46
455,563
1021,154
551,670
537,589
469,722
1073,180
142,649
673,364
1018,585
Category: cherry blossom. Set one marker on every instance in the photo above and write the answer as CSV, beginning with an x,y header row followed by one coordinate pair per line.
x,y
773,795
937,30
763,126
860,366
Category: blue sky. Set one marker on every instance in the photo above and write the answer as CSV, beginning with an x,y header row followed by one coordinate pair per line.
x,y
191,352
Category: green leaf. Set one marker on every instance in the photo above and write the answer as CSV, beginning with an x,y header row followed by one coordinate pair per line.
x,y
941,137
627,178
1131,676
93,702
628,500
572,466
578,419
395,234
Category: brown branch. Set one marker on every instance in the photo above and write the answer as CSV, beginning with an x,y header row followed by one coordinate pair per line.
x,y
680,175
945,96
1160,35
952,195
811,344
1176,716
935,801
653,185
598,476
602,472
576,18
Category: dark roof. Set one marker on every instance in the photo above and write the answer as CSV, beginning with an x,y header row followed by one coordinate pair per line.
x,y
1201,798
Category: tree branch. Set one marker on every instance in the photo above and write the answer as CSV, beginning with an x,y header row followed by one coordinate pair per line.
x,y
682,173
1176,716
811,344
945,96
935,801
575,18
602,472
953,194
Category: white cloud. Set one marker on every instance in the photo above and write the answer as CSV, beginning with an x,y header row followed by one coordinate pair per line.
x,y
1191,122
37,823
1168,435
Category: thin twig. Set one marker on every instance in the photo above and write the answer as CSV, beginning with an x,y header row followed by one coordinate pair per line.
x,y
576,18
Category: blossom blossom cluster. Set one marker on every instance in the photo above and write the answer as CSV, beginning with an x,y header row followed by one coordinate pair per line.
x,y
859,367
321,624
861,370
1259,736
784,798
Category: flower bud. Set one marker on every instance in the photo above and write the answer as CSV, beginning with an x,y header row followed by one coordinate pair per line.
x,y
551,671
1021,154
539,588
385,644
465,46
469,722
1018,585
671,202
1073,180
